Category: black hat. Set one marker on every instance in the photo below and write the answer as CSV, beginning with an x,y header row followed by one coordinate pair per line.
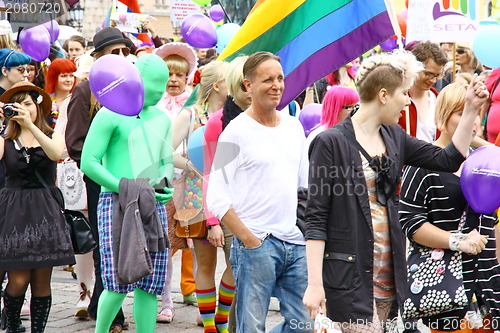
x,y
109,36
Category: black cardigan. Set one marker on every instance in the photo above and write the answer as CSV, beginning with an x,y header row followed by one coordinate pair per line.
x,y
338,212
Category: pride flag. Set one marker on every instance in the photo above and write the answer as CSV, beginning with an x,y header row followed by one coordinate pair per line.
x,y
312,37
133,7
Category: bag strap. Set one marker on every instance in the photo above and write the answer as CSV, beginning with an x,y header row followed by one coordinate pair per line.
x,y
27,157
37,174
355,143
192,116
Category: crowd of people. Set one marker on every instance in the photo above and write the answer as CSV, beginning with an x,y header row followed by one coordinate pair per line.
x,y
383,163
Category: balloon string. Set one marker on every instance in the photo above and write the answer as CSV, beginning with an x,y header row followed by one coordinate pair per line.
x,y
169,145
224,10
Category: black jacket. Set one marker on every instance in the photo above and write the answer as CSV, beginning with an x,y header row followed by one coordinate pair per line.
x,y
338,212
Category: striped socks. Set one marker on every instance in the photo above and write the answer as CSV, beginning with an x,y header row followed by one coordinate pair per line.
x,y
206,304
226,295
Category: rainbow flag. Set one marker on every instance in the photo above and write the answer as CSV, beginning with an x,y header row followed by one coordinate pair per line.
x,y
107,18
312,37
133,7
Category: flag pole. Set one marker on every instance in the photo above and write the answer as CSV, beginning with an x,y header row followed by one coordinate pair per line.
x,y
394,22
224,10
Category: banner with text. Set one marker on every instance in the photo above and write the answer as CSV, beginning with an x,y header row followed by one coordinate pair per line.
x,y
445,20
180,9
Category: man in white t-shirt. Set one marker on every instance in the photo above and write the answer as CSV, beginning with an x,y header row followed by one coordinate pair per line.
x,y
419,121
259,164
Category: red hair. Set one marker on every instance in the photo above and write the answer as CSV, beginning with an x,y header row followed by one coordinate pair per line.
x,y
336,98
58,66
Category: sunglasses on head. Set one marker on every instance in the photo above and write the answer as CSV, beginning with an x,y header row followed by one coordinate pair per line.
x,y
124,50
461,50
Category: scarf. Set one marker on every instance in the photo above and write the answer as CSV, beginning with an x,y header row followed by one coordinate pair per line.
x,y
172,104
230,111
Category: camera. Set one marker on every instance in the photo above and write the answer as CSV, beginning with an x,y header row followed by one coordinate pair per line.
x,y
8,110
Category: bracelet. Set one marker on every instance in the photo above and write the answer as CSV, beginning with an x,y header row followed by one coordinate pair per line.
x,y
455,239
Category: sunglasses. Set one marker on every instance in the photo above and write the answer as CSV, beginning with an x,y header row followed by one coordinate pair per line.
x,y
461,51
124,50
350,107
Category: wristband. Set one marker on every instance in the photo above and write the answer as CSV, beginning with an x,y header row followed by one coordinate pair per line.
x,y
455,239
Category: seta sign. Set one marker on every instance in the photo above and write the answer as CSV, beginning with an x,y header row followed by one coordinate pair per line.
x,y
445,20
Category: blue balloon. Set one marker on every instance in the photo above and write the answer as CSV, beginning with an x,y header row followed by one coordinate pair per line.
x,y
195,148
486,47
224,34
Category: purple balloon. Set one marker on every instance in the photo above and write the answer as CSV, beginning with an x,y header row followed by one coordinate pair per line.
x,y
216,13
480,179
389,44
199,31
310,117
117,84
53,29
35,42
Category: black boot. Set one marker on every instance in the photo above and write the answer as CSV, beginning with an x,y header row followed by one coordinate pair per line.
x,y
12,308
40,308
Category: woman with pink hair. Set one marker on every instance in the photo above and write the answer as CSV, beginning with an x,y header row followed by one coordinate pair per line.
x,y
339,101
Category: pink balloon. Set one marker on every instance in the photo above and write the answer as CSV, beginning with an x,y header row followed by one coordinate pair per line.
x,y
216,13
117,84
310,117
35,42
404,13
480,179
199,31
53,29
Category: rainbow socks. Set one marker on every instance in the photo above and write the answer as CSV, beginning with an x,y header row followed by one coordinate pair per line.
x,y
226,295
206,304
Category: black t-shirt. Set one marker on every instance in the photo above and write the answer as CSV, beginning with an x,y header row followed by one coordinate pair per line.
x,y
2,130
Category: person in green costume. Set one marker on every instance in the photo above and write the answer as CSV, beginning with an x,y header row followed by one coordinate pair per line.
x,y
117,147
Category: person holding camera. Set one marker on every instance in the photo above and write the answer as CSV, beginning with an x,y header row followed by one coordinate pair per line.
x,y
34,236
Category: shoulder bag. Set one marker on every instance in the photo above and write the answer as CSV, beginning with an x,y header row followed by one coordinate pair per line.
x,y
435,281
189,222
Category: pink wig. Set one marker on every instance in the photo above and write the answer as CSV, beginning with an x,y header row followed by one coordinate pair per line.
x,y
335,99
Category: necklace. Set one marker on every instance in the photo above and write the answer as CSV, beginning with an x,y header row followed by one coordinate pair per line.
x,y
30,144
260,121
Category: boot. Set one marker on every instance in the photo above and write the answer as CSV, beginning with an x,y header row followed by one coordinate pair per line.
x,y
40,308
12,308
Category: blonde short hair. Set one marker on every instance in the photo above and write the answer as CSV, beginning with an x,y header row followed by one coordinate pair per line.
x,y
234,76
6,42
211,73
389,71
177,63
450,100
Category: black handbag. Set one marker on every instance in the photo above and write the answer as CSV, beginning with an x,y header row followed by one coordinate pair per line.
x,y
80,231
435,281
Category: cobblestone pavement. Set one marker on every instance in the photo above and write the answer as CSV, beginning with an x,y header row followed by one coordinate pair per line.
x,y
65,295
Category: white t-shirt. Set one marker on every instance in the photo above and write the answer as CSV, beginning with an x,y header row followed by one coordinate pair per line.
x,y
257,171
427,130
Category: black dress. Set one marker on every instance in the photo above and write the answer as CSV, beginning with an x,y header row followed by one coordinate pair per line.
x,y
33,231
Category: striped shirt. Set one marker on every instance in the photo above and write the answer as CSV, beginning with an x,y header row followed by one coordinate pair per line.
x,y
383,268
437,198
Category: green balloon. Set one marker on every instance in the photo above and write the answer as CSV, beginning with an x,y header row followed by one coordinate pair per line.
x,y
202,2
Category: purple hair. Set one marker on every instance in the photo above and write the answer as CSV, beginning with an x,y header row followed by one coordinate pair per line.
x,y
335,99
